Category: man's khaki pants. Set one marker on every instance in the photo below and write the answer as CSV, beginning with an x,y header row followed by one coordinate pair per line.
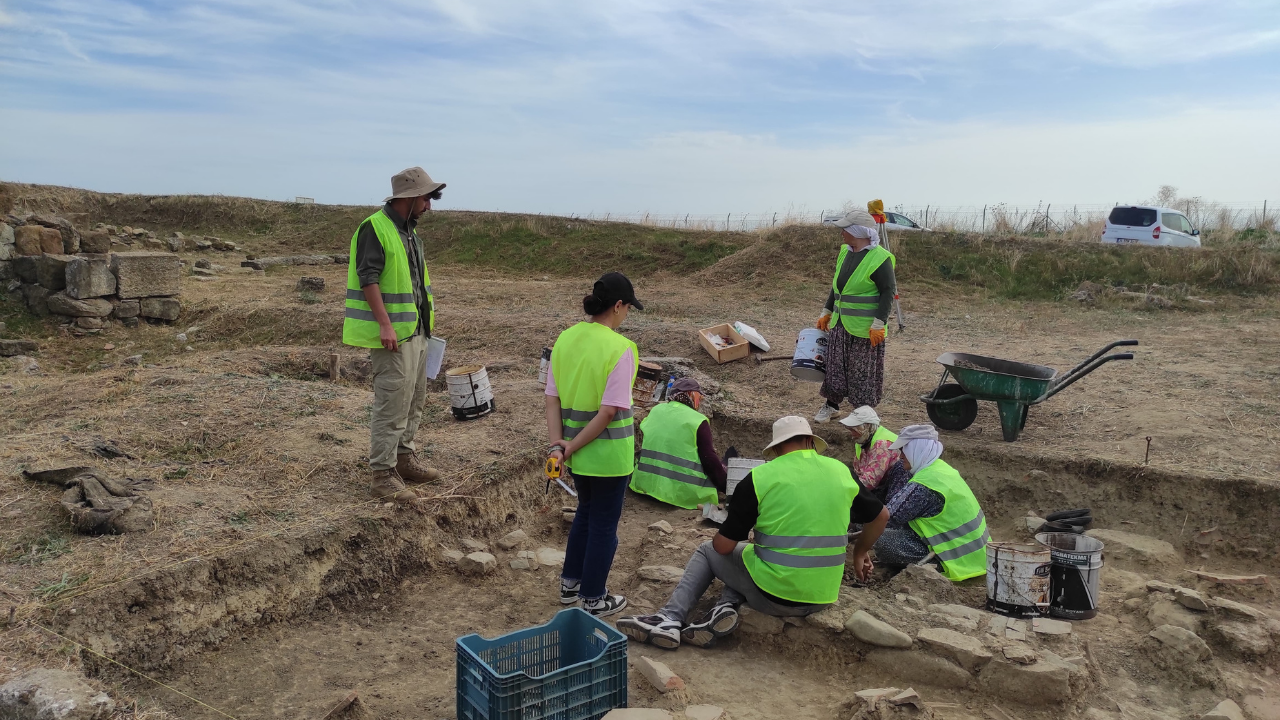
x,y
399,390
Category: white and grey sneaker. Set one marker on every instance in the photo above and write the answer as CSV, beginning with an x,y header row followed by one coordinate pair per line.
x,y
655,630
721,621
825,413
569,592
605,606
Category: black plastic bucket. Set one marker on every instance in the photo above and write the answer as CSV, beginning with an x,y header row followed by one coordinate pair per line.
x,y
1074,576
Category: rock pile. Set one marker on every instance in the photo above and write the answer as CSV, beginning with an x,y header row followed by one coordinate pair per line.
x,y
105,236
89,289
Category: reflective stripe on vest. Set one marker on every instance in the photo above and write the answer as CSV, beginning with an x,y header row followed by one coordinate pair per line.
x,y
958,534
359,326
856,302
581,361
801,532
669,468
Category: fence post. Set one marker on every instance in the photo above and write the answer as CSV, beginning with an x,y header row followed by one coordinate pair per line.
x,y
984,219
926,216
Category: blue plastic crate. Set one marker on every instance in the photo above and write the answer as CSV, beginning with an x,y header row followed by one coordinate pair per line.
x,y
572,668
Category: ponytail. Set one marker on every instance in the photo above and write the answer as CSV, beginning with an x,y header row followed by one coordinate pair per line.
x,y
594,305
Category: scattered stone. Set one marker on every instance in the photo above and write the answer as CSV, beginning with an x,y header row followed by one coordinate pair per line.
x,y
1043,683
661,573
908,697
513,539
51,271
1183,641
310,284
13,348
474,545
1247,639
1015,630
873,696
966,650
1047,626
1222,579
132,360
478,563
1130,548
45,694
1029,525
1036,476
202,244
659,675
520,564
1232,607
1190,599
264,263
25,365
831,618
1225,710
662,526
1019,653
758,623
127,309
705,712
919,667
160,308
550,557
146,274
530,557
453,556
201,273
1164,587
1166,612
90,323
203,263
873,631
637,714
89,278
62,304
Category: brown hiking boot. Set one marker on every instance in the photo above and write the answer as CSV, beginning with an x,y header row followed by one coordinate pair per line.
x,y
387,485
412,471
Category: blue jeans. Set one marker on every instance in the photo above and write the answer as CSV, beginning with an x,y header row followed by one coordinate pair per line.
x,y
593,537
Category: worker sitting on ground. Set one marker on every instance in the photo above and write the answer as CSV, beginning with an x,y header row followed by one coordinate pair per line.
x,y
800,504
874,461
678,463
932,511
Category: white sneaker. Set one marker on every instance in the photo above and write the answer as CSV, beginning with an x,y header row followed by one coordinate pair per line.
x,y
605,606
824,413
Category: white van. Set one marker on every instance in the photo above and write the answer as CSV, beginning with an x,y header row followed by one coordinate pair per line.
x,y
1137,224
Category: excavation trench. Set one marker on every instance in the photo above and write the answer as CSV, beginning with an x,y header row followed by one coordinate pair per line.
x,y
367,601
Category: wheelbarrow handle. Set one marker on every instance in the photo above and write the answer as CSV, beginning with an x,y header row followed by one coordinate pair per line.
x,y
1078,373
1097,355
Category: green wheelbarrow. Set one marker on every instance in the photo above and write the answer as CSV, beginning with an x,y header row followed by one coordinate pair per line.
x,y
1013,386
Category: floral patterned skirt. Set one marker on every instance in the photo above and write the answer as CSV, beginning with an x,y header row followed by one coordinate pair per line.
x,y
855,370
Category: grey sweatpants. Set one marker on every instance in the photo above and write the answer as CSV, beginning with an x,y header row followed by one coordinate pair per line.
x,y
707,565
399,390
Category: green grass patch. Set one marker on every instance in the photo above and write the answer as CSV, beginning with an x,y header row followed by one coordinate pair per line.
x,y
54,590
39,550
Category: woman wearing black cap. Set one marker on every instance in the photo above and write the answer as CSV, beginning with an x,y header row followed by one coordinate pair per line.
x,y
591,429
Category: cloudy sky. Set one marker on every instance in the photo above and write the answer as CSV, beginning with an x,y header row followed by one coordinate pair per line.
x,y
666,106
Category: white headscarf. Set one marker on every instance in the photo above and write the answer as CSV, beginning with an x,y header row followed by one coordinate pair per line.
x,y
920,453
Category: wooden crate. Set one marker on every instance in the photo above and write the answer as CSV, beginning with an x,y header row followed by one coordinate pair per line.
x,y
738,350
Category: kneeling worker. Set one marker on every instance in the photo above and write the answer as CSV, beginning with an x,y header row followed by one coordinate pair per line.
x,y
678,462
800,504
934,512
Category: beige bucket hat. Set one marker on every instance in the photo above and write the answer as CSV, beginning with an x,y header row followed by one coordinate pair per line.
x,y
792,426
411,183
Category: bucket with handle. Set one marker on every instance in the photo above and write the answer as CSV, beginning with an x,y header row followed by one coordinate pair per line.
x,y
810,359
1074,580
1018,579
544,366
738,469
469,393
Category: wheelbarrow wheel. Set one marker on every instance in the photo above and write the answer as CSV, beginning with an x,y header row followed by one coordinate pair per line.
x,y
952,416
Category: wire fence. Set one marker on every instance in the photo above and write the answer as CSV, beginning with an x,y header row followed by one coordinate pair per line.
x,y
998,217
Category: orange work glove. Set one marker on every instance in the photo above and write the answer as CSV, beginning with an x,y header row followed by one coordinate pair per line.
x,y
877,332
824,322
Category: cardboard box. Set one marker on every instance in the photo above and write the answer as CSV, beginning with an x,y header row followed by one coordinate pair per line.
x,y
738,350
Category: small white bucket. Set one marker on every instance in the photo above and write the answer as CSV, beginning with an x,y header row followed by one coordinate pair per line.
x,y
738,469
1018,579
544,366
810,359
469,392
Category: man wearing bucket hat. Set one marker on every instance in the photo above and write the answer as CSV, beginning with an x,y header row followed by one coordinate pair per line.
x,y
678,463
391,311
800,505
933,512
854,316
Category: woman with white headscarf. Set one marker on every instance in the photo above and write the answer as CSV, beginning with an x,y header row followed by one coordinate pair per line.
x,y
932,511
855,314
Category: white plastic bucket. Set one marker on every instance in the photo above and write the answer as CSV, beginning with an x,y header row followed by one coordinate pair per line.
x,y
1076,574
469,392
738,469
810,359
1018,579
544,366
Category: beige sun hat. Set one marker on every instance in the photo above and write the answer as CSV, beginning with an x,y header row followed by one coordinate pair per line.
x,y
411,183
792,426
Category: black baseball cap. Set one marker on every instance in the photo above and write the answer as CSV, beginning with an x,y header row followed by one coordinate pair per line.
x,y
614,286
